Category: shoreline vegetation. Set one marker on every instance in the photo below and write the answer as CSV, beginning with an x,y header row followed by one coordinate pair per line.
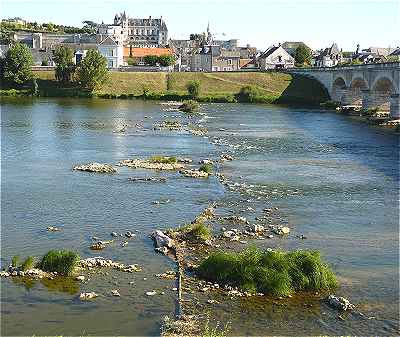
x,y
268,87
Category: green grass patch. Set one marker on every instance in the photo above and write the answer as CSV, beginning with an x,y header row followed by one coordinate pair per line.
x,y
28,263
196,232
271,272
208,168
60,261
15,260
163,160
189,106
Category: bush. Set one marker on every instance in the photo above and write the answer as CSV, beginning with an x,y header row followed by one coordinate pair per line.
x,y
330,104
163,160
16,65
65,67
248,94
28,263
45,63
196,232
193,88
189,106
270,272
60,261
92,71
208,168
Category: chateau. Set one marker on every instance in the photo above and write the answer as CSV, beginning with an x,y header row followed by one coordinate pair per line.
x,y
143,33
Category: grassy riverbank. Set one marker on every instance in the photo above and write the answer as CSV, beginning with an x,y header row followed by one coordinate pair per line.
x,y
272,87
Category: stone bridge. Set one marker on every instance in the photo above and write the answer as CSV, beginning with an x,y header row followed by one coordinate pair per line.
x,y
369,85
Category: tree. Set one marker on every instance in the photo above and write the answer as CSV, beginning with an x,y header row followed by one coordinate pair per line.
x,y
302,55
166,60
92,71
151,60
193,88
65,67
16,66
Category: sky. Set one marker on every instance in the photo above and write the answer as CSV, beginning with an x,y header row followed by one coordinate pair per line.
x,y
259,23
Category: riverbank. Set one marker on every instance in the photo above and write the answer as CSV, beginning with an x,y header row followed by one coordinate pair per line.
x,y
272,87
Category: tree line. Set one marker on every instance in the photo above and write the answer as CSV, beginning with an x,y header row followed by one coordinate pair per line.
x,y
90,73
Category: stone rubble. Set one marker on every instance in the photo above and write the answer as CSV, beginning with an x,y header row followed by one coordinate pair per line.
x,y
146,179
194,173
92,262
145,164
340,303
95,167
88,296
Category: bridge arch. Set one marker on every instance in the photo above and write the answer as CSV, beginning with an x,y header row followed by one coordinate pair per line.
x,y
354,94
338,89
381,90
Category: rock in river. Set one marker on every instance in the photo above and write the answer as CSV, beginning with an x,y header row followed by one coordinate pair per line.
x,y
340,303
95,167
161,240
87,296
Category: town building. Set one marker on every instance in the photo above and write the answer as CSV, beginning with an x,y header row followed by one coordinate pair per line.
x,y
215,58
329,57
142,33
113,51
275,57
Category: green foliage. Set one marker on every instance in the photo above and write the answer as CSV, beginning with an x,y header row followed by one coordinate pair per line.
x,y
193,88
65,67
45,63
166,60
60,261
163,160
189,106
28,263
15,260
208,168
17,63
92,71
162,60
131,61
302,55
270,272
196,232
248,94
151,60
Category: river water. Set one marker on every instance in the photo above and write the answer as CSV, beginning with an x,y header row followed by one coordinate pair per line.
x,y
333,178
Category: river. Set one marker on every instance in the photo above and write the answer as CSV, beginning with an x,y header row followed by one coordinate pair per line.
x,y
334,179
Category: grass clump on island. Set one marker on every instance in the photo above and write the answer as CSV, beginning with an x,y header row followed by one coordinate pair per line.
x,y
189,106
61,261
197,232
207,168
27,264
163,160
276,273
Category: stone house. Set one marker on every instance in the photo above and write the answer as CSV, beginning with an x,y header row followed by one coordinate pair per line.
x,y
113,51
275,58
329,57
214,58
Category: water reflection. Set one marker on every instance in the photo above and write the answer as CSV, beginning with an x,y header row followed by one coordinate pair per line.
x,y
58,284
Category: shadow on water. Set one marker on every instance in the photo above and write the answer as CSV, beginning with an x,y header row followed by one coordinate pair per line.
x,y
58,284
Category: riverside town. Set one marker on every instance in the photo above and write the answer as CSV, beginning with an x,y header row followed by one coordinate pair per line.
x,y
199,168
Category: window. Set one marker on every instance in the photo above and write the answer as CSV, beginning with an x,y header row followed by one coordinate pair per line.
x,y
230,61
